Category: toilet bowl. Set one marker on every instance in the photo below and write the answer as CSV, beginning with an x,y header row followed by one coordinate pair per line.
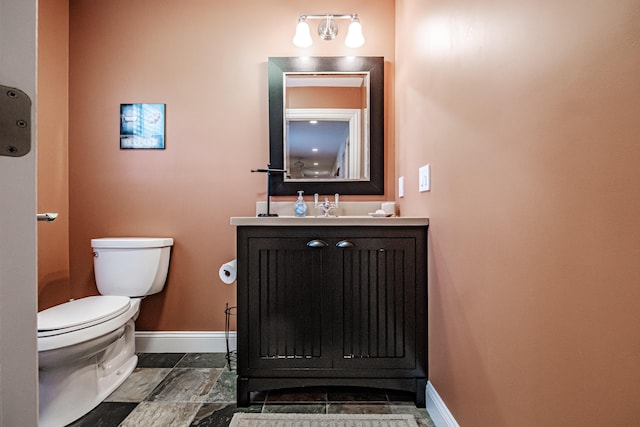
x,y
86,347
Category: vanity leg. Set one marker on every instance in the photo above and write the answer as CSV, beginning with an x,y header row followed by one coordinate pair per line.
x,y
421,398
243,394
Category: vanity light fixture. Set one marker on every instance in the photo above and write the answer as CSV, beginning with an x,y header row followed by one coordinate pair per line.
x,y
328,29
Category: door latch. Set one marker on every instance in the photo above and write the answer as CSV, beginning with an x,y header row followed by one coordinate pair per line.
x,y
15,122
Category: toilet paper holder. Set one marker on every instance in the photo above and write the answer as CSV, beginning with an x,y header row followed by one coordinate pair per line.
x,y
232,355
47,216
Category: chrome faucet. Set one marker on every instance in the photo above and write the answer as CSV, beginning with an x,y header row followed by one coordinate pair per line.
x,y
326,206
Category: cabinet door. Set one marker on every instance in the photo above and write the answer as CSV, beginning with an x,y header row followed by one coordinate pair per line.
x,y
288,304
377,302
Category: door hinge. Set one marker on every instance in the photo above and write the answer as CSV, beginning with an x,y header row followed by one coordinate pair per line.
x,y
15,122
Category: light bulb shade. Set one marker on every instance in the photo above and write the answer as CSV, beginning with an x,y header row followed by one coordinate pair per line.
x,y
303,34
354,35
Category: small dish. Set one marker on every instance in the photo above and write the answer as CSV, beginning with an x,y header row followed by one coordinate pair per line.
x,y
379,215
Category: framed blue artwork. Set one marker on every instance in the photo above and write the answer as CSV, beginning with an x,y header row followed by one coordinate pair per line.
x,y
142,126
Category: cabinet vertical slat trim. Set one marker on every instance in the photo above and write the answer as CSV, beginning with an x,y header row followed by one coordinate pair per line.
x,y
373,299
400,296
290,309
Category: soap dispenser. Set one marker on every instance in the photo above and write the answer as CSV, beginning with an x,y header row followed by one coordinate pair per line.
x,y
300,207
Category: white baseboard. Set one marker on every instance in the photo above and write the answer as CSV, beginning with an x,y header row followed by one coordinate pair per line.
x,y
183,342
437,409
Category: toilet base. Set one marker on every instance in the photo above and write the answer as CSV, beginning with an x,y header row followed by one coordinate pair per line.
x,y
72,385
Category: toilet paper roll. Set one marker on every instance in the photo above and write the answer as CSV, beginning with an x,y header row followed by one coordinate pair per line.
x,y
228,271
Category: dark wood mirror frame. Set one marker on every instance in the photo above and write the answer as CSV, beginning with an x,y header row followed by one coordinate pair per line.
x,y
375,67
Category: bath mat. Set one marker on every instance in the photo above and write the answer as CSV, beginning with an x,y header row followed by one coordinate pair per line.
x,y
321,420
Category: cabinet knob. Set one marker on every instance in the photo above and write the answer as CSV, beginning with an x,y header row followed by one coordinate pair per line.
x,y
345,244
317,244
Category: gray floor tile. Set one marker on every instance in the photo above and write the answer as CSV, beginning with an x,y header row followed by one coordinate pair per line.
x,y
219,414
358,408
309,395
139,385
224,390
203,360
159,360
162,414
106,414
356,395
186,385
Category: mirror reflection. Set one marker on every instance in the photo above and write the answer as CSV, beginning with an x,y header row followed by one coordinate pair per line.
x,y
325,134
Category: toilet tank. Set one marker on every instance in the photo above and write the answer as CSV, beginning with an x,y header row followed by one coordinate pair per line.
x,y
131,266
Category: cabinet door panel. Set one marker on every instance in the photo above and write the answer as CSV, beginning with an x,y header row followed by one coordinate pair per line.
x,y
377,302
286,284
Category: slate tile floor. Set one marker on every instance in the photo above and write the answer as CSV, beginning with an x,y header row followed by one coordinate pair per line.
x,y
197,390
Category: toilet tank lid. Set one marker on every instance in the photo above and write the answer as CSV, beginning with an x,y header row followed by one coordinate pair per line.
x,y
131,242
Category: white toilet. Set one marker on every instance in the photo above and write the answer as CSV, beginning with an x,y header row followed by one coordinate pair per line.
x,y
86,347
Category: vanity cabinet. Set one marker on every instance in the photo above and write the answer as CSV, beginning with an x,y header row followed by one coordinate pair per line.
x,y
332,306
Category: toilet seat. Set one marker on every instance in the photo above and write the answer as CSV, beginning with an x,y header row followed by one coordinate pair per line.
x,y
59,338
80,313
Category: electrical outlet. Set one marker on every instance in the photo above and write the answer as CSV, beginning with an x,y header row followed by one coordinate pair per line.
x,y
424,174
401,186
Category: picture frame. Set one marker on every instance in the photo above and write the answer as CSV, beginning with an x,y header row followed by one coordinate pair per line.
x,y
142,126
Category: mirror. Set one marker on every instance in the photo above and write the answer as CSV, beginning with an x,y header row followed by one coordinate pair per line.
x,y
326,125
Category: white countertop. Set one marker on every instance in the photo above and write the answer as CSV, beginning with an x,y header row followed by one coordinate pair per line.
x,y
353,221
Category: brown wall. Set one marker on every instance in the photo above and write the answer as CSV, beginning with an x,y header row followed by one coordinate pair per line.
x,y
208,62
528,113
53,151
325,97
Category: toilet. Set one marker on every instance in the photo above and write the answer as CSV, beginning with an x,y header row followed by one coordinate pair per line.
x,y
86,347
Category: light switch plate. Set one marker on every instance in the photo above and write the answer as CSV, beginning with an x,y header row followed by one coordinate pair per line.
x,y
401,186
424,174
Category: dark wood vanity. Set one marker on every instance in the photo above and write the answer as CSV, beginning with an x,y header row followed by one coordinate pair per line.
x,y
329,303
